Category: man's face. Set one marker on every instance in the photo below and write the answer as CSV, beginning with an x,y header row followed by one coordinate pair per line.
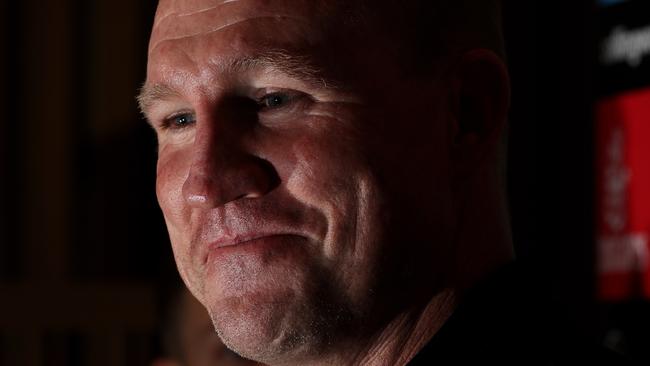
x,y
303,179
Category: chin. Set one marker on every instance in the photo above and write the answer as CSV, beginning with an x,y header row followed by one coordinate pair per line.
x,y
282,318
274,301
267,329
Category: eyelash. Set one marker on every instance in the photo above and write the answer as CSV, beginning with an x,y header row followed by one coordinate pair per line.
x,y
172,122
264,104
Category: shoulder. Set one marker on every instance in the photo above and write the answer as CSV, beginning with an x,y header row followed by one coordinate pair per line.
x,y
503,322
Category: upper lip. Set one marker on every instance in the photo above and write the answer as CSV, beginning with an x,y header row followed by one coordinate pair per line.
x,y
225,241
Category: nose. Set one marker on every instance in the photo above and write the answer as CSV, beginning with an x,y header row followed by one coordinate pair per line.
x,y
222,170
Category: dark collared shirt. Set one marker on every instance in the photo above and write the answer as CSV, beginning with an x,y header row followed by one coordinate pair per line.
x,y
505,320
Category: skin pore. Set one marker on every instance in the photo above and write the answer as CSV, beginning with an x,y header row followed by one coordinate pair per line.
x,y
326,208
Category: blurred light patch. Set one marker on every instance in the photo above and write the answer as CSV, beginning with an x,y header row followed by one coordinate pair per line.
x,y
623,151
624,195
626,45
610,2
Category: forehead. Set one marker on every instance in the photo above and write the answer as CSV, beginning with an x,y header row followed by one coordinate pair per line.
x,y
180,19
168,7
196,33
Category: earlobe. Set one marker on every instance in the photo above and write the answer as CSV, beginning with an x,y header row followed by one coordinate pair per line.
x,y
480,99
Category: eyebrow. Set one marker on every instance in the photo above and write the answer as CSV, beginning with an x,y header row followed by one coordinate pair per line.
x,y
150,94
296,66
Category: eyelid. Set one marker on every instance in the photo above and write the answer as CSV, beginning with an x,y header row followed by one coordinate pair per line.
x,y
266,91
293,98
290,94
168,122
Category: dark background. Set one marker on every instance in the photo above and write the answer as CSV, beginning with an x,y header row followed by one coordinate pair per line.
x,y
83,248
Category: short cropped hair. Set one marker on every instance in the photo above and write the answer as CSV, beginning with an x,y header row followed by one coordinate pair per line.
x,y
433,30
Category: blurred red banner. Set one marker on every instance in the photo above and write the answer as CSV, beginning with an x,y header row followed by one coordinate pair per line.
x,y
623,189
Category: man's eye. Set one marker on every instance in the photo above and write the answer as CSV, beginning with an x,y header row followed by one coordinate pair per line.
x,y
180,121
275,100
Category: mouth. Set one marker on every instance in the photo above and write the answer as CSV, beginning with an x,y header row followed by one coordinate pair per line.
x,y
251,243
247,239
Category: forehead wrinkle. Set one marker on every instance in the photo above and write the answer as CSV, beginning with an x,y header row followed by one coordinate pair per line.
x,y
218,28
192,12
206,9
175,26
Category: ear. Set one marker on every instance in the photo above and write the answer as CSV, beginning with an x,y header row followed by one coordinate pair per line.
x,y
480,89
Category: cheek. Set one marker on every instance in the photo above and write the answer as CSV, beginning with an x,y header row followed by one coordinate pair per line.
x,y
314,174
329,175
338,180
172,170
324,159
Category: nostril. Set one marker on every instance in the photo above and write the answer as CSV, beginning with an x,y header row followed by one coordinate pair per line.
x,y
271,175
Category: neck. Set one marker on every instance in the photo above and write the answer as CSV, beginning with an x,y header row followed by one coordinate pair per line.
x,y
483,238
400,340
403,338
